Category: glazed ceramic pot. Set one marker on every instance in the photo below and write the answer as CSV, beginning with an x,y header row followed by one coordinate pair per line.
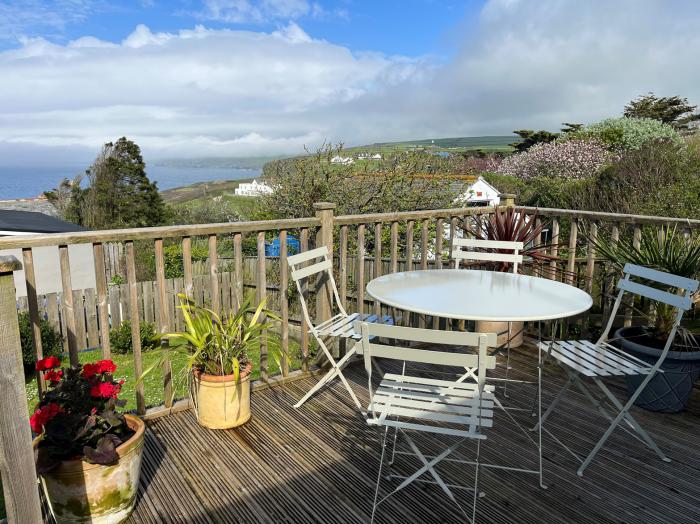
x,y
220,401
501,329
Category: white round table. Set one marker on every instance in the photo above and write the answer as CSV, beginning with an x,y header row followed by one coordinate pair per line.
x,y
467,294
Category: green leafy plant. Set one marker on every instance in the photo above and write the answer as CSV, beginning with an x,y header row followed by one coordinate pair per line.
x,y
77,417
627,133
669,252
116,280
120,337
51,340
512,226
219,344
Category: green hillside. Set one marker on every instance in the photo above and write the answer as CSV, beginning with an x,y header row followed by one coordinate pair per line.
x,y
487,143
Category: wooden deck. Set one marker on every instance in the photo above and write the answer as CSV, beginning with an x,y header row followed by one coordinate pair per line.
x,y
319,464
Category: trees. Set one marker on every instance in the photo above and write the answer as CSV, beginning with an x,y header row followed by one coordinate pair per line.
x,y
403,181
118,193
531,138
672,110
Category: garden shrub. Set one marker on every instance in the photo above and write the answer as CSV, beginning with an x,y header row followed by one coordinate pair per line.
x,y
570,159
51,340
625,133
120,337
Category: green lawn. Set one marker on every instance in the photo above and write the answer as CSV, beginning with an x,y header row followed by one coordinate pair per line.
x,y
153,383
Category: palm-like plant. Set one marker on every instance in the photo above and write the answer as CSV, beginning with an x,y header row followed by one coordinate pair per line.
x,y
669,252
220,344
513,226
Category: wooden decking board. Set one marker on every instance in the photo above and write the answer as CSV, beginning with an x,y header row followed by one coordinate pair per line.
x,y
319,464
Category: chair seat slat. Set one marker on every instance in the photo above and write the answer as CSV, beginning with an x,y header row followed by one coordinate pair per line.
x,y
581,352
460,407
431,429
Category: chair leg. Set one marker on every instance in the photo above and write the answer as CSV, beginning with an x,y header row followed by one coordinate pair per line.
x,y
476,480
622,415
379,474
630,420
553,404
336,370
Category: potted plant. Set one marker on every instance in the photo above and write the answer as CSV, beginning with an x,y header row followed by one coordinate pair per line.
x,y
510,226
668,391
88,455
218,367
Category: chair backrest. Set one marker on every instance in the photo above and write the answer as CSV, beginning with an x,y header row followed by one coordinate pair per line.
x,y
680,300
487,251
370,347
307,264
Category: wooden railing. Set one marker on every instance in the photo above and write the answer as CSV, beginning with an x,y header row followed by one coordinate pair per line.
x,y
363,247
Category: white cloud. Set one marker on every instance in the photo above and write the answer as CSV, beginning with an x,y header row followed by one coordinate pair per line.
x,y
225,93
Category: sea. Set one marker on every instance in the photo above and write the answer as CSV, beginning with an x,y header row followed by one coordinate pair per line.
x,y
29,182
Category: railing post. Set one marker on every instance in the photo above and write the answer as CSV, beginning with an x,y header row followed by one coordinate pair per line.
x,y
17,468
324,237
507,199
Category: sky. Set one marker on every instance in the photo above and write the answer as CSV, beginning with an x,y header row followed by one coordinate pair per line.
x,y
232,78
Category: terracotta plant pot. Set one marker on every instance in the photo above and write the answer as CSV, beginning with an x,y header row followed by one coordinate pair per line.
x,y
220,401
81,492
501,328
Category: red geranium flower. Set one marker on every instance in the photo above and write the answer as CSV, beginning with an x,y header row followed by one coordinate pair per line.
x,y
42,416
53,376
99,367
89,370
48,363
106,366
105,390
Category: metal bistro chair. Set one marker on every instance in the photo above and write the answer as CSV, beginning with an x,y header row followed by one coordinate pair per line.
x,y
476,251
417,404
341,325
583,358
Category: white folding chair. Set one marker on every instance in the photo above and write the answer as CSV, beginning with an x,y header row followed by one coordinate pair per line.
x,y
341,325
411,403
505,252
583,358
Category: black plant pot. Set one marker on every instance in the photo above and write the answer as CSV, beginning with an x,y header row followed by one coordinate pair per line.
x,y
666,392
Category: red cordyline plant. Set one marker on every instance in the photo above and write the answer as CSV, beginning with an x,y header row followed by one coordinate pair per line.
x,y
512,226
77,417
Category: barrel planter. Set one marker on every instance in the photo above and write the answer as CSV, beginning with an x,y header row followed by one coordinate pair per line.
x,y
666,392
220,401
80,492
501,329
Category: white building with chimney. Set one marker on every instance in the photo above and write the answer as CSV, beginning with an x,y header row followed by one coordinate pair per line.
x,y
253,188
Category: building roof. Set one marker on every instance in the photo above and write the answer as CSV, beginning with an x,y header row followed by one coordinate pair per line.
x,y
32,222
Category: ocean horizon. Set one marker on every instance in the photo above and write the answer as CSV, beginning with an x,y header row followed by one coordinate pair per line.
x,y
32,181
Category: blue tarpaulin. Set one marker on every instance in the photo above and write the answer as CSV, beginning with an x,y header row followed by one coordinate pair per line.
x,y
272,249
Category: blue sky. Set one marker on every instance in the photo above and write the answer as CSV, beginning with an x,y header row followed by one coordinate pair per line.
x,y
231,78
410,27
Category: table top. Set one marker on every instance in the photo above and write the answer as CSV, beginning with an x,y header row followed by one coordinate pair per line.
x,y
467,294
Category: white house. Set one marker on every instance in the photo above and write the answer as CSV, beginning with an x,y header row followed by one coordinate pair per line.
x,y
480,193
46,261
253,188
368,156
344,160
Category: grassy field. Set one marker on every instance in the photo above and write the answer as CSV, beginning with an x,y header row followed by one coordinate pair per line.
x,y
153,383
457,144
201,190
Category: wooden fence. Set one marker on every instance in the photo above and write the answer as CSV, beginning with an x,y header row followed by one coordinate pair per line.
x,y
362,247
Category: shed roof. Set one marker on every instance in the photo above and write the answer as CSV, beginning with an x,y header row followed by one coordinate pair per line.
x,y
32,222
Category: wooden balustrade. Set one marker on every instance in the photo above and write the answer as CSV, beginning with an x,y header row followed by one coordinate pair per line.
x,y
234,265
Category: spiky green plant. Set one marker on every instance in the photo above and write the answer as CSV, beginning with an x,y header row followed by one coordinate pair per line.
x,y
219,344
667,251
